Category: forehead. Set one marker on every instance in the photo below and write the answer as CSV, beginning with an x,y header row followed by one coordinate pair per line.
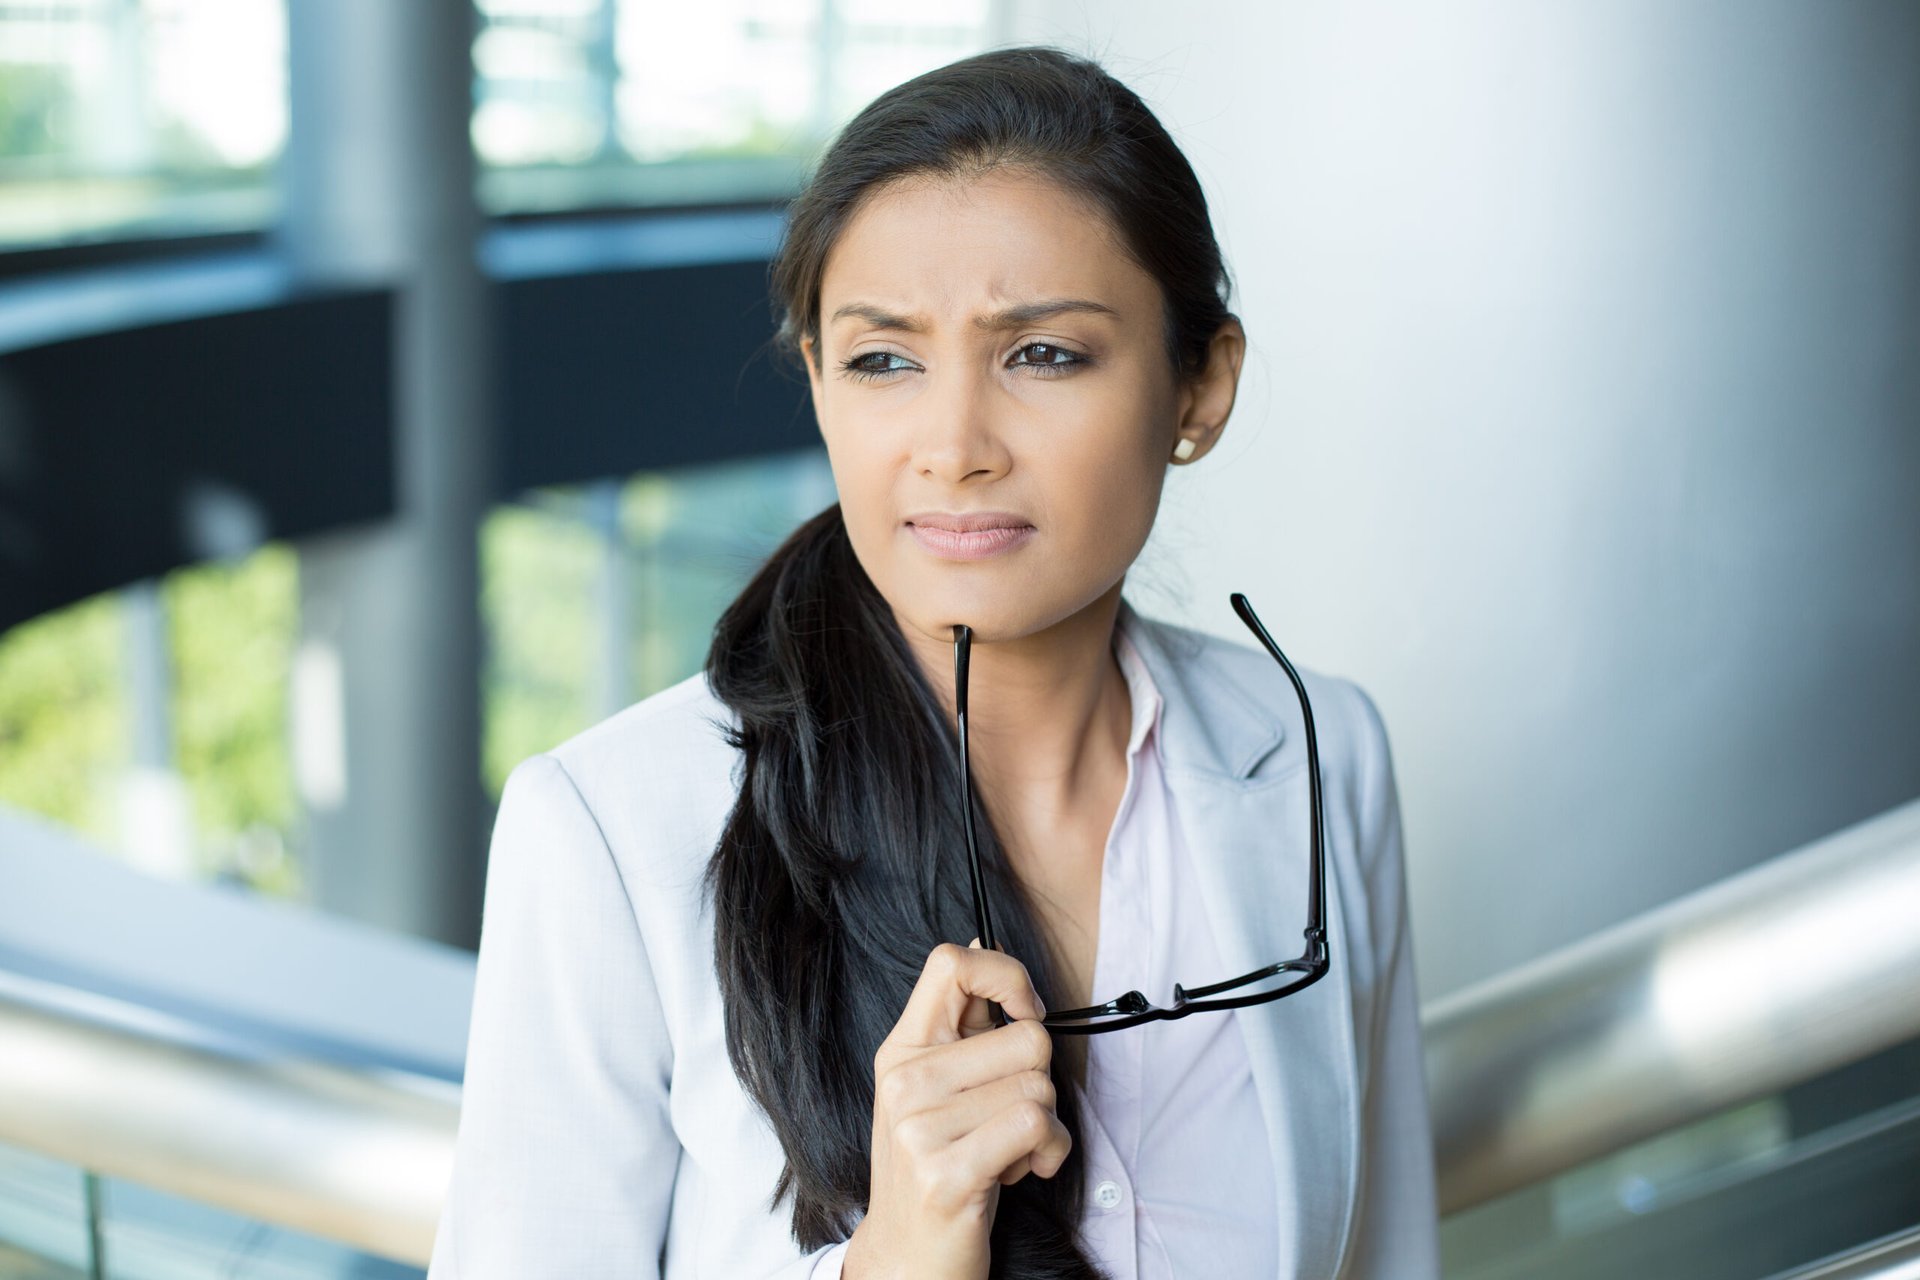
x,y
945,248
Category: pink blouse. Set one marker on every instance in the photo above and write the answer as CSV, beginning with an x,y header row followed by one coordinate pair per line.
x,y
1179,1178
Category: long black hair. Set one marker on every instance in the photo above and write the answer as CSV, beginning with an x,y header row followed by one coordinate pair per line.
x,y
841,866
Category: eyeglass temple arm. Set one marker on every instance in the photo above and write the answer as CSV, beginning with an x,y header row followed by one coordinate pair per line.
x,y
1315,958
962,651
1316,932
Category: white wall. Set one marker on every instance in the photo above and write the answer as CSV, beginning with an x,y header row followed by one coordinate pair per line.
x,y
1580,423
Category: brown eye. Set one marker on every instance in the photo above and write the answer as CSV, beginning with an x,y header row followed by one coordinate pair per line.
x,y
857,367
1049,359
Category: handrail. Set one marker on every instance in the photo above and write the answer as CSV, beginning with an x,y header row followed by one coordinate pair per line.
x,y
1801,965
1892,1257
353,1155
1798,966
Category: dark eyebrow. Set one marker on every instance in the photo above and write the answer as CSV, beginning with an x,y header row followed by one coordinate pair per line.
x,y
1014,317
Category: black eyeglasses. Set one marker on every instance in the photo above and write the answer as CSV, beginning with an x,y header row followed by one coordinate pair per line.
x,y
1134,1008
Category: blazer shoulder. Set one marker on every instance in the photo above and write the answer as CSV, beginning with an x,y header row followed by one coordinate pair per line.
x,y
658,777
681,719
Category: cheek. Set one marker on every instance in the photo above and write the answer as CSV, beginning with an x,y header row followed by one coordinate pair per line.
x,y
863,482
1110,474
1114,511
863,479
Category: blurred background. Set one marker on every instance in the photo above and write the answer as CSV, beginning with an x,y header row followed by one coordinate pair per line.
x,y
385,396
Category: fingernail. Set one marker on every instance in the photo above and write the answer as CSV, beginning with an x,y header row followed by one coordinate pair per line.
x,y
975,944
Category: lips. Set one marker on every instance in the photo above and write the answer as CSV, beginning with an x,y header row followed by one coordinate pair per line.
x,y
970,535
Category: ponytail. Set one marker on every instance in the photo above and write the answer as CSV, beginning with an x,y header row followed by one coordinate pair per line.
x,y
840,867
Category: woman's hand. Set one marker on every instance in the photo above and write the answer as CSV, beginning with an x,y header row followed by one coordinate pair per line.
x,y
961,1107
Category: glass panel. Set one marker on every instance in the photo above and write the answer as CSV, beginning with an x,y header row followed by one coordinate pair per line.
x,y
124,119
614,103
150,1235
132,118
63,701
43,1218
153,721
591,604
1753,1191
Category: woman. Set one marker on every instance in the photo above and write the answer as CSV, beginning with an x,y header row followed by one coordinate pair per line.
x,y
723,1022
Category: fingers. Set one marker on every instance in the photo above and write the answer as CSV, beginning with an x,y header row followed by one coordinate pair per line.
x,y
1025,1133
937,1011
996,1133
917,1079
962,1113
961,1106
977,1017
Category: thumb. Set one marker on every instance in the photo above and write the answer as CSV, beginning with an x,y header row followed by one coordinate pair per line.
x,y
978,1014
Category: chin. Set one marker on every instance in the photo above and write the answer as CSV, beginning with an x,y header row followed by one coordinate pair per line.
x,y
991,623
999,607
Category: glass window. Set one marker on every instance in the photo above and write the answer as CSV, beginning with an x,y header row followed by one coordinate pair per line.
x,y
615,103
596,595
127,119
154,721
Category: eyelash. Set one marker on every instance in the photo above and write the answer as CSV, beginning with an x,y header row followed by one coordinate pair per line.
x,y
851,367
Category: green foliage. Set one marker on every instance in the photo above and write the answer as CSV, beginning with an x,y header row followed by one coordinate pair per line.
x,y
691,538
35,101
537,596
761,137
66,718
689,541
232,630
63,714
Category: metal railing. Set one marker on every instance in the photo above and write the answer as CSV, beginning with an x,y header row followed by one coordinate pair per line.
x,y
1895,1257
1766,979
1769,978
349,1154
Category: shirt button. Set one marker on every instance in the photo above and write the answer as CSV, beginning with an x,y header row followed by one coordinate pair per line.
x,y
1107,1194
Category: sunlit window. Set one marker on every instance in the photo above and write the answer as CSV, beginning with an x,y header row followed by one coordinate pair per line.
x,y
123,119
154,721
603,103
596,595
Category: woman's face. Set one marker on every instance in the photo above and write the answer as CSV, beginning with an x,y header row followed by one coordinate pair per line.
x,y
991,357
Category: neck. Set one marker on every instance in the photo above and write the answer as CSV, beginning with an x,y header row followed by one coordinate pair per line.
x,y
1048,714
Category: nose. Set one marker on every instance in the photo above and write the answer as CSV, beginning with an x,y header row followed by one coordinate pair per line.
x,y
959,436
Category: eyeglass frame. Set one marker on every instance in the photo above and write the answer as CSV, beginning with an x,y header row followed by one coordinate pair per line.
x,y
1133,1008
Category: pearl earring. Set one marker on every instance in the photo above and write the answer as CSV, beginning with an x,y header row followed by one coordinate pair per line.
x,y
1184,449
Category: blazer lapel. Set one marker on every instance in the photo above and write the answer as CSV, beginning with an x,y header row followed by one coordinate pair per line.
x,y
1248,841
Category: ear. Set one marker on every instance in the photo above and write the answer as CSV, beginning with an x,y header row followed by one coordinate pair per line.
x,y
1206,400
808,355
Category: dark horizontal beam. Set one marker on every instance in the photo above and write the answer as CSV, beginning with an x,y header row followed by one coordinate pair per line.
x,y
157,417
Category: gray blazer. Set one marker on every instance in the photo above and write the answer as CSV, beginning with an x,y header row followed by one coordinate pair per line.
x,y
603,1132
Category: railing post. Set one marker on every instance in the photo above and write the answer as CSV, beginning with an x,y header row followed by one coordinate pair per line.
x,y
96,1246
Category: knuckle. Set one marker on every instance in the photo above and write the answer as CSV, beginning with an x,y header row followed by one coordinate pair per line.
x,y
945,959
912,1079
914,1132
894,1090
1039,1041
1038,1087
1031,1120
